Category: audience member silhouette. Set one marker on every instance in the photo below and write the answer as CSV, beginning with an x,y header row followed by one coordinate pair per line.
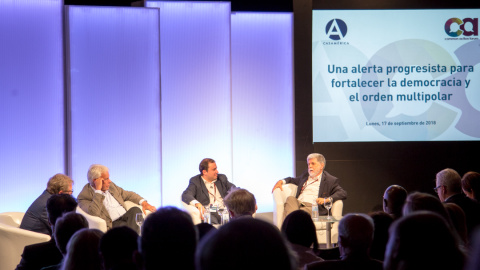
x,y
458,220
168,240
245,243
471,185
382,222
355,235
473,262
203,229
82,251
300,231
117,248
393,200
65,227
44,254
240,202
422,240
449,189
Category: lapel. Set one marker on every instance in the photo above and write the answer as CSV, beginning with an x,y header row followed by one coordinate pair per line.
x,y
204,189
322,191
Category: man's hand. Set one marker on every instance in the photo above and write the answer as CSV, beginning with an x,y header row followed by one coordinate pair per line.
x,y
200,208
97,183
279,185
146,206
320,201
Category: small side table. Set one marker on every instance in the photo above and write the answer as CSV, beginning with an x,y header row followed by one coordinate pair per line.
x,y
328,225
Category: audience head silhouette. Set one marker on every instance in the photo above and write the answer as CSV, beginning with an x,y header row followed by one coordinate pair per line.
x,y
65,227
422,240
355,235
82,251
471,185
299,229
58,204
168,240
117,248
393,200
240,202
244,243
382,222
448,183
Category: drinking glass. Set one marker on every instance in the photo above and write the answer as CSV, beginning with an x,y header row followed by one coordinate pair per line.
x,y
139,219
327,202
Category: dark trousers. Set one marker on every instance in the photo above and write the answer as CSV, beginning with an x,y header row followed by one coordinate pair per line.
x,y
128,219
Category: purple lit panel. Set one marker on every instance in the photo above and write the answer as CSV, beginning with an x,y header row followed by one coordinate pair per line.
x,y
115,96
262,102
196,111
32,141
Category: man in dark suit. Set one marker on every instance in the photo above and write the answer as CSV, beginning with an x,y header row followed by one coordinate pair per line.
x,y
313,187
102,198
449,190
35,219
45,254
207,188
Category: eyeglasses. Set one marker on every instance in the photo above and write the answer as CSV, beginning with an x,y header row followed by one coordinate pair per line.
x,y
436,188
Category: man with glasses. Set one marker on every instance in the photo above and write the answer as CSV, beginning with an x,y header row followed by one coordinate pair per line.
x,y
36,219
102,198
449,189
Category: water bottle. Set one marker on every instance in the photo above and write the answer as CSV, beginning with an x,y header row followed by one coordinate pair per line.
x,y
225,216
315,210
207,216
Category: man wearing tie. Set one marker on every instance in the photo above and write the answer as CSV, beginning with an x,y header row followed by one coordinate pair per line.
x,y
313,186
207,188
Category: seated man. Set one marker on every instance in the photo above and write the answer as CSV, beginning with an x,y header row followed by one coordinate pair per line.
x,y
207,188
45,254
102,198
240,203
35,219
313,186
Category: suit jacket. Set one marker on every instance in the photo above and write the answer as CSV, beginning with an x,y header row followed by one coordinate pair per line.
x,y
197,190
40,255
92,202
471,209
35,219
329,187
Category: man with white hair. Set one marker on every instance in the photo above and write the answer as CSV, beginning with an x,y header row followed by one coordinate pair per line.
x,y
313,187
102,198
449,190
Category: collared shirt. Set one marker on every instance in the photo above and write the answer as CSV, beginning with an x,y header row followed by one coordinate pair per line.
x,y
213,193
114,208
310,189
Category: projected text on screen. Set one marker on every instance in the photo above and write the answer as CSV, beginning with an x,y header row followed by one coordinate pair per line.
x,y
380,76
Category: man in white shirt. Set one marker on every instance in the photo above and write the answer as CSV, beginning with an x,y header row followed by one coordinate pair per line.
x,y
313,187
102,198
207,188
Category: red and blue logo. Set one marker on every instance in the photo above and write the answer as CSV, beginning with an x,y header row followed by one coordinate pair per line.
x,y
455,27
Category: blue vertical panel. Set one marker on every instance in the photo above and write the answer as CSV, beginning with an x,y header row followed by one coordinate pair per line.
x,y
31,100
115,96
262,102
196,116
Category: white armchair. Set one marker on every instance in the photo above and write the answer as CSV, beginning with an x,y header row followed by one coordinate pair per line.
x,y
95,222
279,198
13,239
193,211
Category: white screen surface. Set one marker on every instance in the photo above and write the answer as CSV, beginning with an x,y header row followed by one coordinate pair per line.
x,y
380,75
